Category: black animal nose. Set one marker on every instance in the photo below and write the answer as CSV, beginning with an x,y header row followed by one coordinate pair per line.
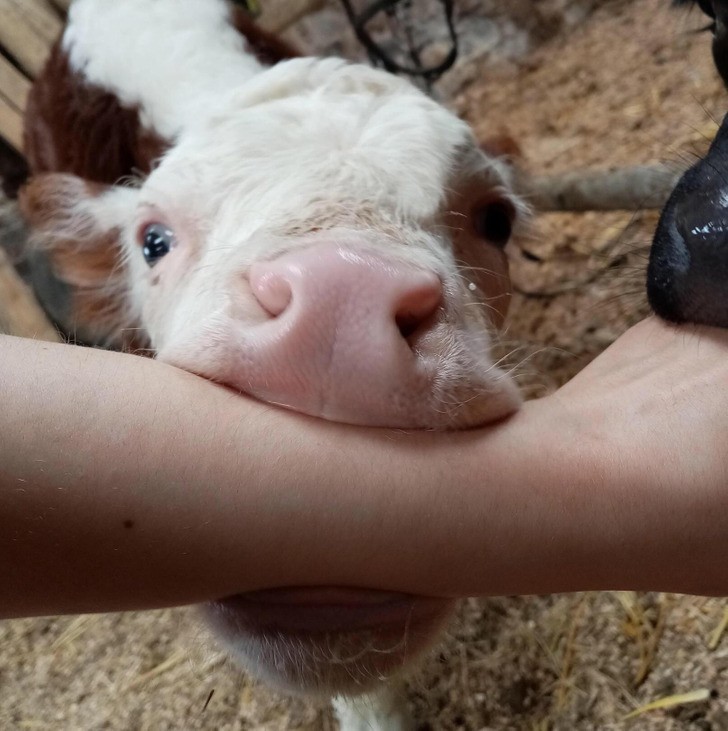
x,y
701,220
687,278
688,272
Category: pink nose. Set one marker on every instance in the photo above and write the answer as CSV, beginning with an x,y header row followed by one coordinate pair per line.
x,y
341,342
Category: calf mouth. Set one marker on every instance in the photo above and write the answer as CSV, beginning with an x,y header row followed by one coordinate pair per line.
x,y
327,610
324,641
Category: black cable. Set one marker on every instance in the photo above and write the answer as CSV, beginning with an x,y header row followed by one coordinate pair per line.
x,y
379,57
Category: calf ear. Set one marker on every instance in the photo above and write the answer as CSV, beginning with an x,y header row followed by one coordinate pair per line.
x,y
75,257
502,146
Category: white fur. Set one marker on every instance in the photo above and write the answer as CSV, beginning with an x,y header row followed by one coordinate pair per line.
x,y
385,710
172,58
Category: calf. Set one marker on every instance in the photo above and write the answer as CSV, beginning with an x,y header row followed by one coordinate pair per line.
x,y
315,234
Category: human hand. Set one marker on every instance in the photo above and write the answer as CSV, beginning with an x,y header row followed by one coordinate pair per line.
x,y
661,390
650,418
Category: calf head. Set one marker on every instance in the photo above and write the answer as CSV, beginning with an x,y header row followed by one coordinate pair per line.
x,y
329,239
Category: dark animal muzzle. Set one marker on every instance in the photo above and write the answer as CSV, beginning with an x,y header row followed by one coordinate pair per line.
x,y
687,279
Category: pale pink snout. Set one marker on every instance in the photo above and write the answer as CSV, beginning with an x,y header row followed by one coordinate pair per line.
x,y
342,339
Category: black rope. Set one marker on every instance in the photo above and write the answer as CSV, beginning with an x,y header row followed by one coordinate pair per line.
x,y
379,57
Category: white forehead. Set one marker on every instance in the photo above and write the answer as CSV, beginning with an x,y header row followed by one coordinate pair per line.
x,y
318,131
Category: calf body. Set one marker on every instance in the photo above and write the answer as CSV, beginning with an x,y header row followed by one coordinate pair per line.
x,y
316,234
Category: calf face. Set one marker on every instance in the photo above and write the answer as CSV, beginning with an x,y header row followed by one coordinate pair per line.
x,y
327,239
321,236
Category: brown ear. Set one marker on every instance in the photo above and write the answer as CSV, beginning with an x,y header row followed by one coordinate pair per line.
x,y
75,256
503,146
72,126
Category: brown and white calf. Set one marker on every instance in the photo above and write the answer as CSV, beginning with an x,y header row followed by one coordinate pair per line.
x,y
316,234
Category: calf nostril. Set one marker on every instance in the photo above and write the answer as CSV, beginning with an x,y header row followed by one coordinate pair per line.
x,y
415,310
271,289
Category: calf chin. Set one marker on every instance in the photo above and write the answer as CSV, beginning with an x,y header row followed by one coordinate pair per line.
x,y
321,656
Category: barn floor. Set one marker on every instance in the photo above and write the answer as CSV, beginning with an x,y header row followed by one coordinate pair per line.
x,y
631,85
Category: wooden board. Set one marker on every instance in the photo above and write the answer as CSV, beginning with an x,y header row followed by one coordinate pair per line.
x,y
11,125
28,28
14,88
20,313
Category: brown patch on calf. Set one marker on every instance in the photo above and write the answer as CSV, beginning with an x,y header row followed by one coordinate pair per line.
x,y
503,146
75,127
88,259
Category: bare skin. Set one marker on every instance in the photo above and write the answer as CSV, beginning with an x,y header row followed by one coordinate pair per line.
x,y
125,483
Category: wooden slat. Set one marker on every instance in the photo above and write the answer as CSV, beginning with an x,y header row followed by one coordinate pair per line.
x,y
28,28
42,16
20,313
14,87
11,125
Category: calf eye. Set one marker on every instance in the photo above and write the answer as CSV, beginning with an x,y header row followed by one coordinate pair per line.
x,y
494,222
157,241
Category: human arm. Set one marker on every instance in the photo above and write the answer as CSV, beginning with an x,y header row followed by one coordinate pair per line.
x,y
125,483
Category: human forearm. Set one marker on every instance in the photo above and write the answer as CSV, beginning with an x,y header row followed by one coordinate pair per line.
x,y
125,483
128,484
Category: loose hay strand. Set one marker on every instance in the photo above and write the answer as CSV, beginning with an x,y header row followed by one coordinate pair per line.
x,y
670,701
173,660
74,630
719,631
645,630
564,682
